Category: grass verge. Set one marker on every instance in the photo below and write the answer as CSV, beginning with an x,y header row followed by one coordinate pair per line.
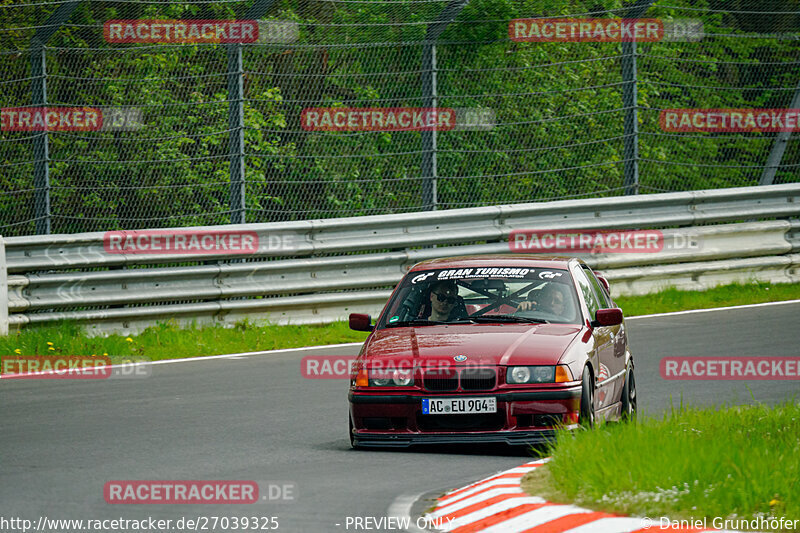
x,y
168,341
723,296
737,463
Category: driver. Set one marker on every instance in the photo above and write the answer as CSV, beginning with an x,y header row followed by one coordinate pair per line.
x,y
443,298
549,299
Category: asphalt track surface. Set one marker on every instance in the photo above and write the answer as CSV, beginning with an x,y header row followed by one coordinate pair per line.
x,y
256,418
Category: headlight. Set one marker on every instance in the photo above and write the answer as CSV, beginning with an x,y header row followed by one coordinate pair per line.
x,y
518,374
530,374
543,374
388,378
403,378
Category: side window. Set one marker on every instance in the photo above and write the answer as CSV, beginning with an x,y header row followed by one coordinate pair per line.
x,y
598,289
587,291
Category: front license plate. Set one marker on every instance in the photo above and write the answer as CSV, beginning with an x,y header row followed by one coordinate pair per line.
x,y
458,406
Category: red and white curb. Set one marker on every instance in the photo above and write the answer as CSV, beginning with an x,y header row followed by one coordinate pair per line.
x,y
498,504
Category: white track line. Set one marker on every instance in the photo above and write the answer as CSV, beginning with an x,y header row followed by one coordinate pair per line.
x,y
712,309
233,356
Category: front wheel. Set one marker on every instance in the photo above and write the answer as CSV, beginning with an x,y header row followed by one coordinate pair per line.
x,y
629,396
587,399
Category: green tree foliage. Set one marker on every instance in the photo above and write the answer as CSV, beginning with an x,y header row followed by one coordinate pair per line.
x,y
558,108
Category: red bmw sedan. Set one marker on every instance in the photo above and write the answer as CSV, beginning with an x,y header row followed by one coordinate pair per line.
x,y
490,349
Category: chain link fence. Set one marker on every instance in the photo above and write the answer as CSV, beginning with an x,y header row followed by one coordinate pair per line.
x,y
232,129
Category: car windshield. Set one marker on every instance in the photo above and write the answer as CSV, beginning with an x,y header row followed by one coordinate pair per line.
x,y
483,295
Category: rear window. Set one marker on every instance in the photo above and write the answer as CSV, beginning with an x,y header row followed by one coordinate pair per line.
x,y
450,295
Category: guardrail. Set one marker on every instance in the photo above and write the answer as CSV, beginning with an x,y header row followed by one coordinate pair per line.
x,y
321,270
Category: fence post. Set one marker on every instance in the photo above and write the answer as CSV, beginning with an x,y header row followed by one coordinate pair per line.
x,y
41,147
236,132
428,164
630,101
235,74
3,289
778,147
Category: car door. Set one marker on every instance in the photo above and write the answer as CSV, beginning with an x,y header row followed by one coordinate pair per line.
x,y
603,341
621,338
615,360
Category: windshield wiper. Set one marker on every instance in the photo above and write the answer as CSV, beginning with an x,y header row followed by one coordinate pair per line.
x,y
415,322
509,318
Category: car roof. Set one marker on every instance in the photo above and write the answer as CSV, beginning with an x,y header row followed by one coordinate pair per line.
x,y
497,260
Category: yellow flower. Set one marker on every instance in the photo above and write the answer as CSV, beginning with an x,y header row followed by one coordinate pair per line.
x,y
105,353
18,351
52,349
49,343
128,339
774,502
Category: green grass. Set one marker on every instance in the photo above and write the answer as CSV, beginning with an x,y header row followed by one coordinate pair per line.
x,y
168,341
733,462
724,296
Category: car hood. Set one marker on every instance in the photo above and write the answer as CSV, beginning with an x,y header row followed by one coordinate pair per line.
x,y
485,344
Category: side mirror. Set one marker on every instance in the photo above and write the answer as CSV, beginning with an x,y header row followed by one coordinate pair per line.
x,y
360,322
608,317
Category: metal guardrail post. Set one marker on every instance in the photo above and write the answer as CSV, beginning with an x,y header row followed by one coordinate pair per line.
x,y
630,101
778,147
3,289
428,165
41,147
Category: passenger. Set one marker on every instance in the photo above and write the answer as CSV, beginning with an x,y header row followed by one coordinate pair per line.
x,y
548,299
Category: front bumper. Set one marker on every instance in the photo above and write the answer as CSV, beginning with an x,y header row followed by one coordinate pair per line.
x,y
383,419
379,440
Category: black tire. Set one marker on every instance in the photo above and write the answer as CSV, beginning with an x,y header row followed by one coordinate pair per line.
x,y
587,399
629,396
